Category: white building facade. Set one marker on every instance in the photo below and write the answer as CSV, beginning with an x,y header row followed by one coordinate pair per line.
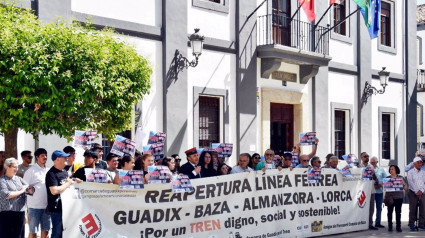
x,y
265,75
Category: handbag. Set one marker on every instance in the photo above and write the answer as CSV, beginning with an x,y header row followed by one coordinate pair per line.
x,y
388,200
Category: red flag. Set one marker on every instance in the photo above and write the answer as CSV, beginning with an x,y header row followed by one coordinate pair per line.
x,y
331,2
308,6
334,1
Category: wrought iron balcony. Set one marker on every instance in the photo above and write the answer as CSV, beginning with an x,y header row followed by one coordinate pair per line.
x,y
275,29
421,80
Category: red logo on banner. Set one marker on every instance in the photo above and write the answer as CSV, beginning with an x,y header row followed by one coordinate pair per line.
x,y
361,198
91,226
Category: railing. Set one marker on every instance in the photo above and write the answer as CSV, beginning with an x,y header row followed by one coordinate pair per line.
x,y
421,78
279,29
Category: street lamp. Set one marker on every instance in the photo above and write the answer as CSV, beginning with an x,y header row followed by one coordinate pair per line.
x,y
197,42
383,78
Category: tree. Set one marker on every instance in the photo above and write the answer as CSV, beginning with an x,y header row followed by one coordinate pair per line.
x,y
61,77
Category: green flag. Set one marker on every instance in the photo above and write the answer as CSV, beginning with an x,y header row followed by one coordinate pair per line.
x,y
364,6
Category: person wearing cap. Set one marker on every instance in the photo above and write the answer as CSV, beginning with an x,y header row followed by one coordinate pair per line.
x,y
191,168
71,166
416,178
420,155
37,203
57,181
100,164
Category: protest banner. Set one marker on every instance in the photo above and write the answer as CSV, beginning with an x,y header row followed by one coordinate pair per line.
x,y
393,184
277,204
181,183
123,146
96,175
159,174
156,137
84,138
131,179
307,138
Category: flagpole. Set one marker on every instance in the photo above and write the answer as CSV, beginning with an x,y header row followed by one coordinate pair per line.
x,y
339,23
295,13
321,18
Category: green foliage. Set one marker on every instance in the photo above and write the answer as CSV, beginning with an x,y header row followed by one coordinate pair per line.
x,y
60,77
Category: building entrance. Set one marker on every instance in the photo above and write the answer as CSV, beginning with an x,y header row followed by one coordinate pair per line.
x,y
281,127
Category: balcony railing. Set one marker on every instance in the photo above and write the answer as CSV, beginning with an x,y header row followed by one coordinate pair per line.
x,y
421,79
279,29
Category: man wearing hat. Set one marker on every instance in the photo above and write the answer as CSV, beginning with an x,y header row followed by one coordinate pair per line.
x,y
57,181
191,168
416,178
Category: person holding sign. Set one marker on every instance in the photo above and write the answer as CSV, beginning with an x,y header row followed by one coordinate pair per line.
x,y
397,197
191,168
268,163
379,195
416,178
148,160
90,158
112,170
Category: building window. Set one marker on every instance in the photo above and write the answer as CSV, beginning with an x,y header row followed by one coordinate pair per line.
x,y
340,133
216,1
386,24
213,5
209,120
386,136
339,15
387,132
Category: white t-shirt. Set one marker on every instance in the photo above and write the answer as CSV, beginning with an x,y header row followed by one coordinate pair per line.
x,y
36,176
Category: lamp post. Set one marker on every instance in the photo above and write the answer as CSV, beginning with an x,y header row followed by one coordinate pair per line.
x,y
369,90
197,43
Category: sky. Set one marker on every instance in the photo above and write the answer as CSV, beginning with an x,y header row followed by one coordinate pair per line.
x,y
421,2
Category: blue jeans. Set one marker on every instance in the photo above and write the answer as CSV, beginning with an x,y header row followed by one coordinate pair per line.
x,y
57,226
38,217
379,197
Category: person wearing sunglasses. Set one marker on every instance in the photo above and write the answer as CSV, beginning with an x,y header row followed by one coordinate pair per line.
x,y
268,163
255,159
304,159
287,161
26,163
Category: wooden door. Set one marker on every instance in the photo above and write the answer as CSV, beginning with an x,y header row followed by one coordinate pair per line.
x,y
281,127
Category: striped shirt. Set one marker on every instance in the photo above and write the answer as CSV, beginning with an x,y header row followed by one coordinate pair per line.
x,y
8,185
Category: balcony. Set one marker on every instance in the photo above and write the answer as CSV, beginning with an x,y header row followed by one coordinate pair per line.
x,y
280,39
420,80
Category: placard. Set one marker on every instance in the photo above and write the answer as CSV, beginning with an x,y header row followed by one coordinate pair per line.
x,y
96,175
314,175
393,184
180,183
84,138
159,174
307,138
123,146
131,179
156,137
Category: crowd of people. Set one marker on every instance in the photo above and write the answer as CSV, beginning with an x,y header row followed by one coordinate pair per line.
x,y
35,189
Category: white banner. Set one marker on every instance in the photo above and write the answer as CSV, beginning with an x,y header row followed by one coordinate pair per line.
x,y
248,205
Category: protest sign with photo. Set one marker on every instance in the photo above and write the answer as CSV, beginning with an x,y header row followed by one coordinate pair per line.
x,y
96,175
307,138
351,160
276,204
367,173
295,160
84,138
159,174
346,172
123,146
156,150
223,149
180,183
393,184
156,137
131,179
314,175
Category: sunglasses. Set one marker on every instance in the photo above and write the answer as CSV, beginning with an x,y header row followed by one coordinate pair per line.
x,y
257,157
305,161
269,154
365,156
